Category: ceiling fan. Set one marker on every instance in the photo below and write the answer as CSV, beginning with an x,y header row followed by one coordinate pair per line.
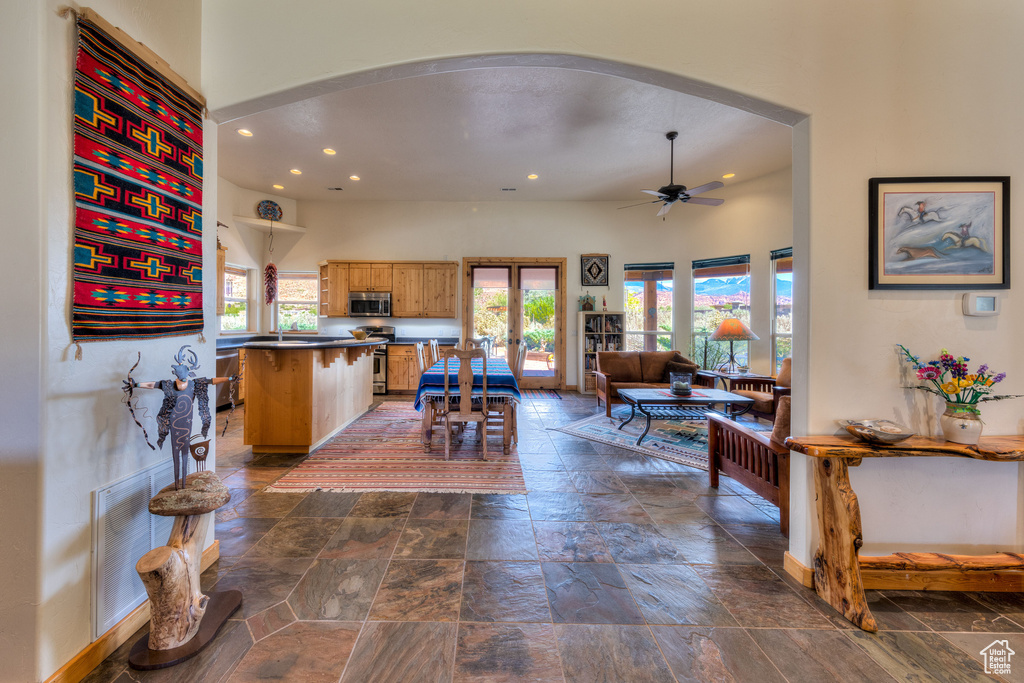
x,y
672,193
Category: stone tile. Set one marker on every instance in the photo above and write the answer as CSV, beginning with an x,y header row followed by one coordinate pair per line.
x,y
810,656
674,594
279,459
238,535
504,591
312,652
325,504
364,539
652,484
419,590
507,653
576,447
570,542
733,510
766,543
403,651
1007,604
214,663
633,464
270,620
441,506
909,656
437,539
261,504
615,507
707,544
530,460
497,506
610,653
501,539
588,593
946,611
974,643
671,507
296,537
638,543
548,481
597,482
383,504
339,590
253,477
758,598
264,581
587,460
702,654
556,505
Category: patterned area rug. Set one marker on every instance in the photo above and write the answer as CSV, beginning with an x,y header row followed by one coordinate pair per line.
x,y
381,451
682,441
540,394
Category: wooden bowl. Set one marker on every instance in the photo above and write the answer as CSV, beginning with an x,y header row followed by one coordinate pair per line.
x,y
358,334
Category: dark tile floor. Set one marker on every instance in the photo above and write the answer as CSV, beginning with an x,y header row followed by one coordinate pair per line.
x,y
615,567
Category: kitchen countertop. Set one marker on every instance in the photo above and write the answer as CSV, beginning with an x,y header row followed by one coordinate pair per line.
x,y
313,344
443,341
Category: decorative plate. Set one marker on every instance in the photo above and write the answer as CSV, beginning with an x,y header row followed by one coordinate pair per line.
x,y
877,431
269,211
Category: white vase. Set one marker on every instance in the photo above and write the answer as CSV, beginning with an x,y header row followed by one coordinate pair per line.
x,y
961,423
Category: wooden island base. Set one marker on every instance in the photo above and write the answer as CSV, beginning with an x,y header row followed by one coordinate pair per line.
x,y
841,576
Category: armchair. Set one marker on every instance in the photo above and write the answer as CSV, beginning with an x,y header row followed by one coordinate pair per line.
x,y
766,392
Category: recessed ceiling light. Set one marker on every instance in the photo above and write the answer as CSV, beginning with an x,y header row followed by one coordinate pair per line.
x,y
296,171
329,151
532,176
245,132
353,177
278,187
729,175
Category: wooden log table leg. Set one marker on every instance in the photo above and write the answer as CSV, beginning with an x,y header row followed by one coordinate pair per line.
x,y
427,424
506,427
837,577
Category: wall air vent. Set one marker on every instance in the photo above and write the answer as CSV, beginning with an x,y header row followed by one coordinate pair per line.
x,y
508,189
336,189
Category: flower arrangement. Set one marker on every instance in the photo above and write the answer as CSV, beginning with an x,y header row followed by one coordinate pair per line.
x,y
950,378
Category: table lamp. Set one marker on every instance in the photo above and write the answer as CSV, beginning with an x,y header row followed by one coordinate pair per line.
x,y
732,330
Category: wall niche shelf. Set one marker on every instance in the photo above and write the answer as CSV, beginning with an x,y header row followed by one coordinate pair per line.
x,y
264,225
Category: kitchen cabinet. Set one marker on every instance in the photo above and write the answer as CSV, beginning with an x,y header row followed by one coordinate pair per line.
x,y
369,277
334,288
407,294
221,274
403,371
440,285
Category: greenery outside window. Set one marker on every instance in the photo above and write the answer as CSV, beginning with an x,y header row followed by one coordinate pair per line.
x,y
721,289
297,301
236,300
782,305
648,294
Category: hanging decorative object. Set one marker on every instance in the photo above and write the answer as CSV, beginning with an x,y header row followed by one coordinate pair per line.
x,y
270,211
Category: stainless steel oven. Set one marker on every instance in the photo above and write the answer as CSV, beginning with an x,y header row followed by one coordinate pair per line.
x,y
380,356
369,304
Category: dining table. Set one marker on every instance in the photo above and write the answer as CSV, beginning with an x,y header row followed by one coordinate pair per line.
x,y
502,393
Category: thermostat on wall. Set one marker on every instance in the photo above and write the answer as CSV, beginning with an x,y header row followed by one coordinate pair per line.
x,y
981,304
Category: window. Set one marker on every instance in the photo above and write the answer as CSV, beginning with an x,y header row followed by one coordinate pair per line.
x,y
297,301
782,305
236,300
721,289
648,290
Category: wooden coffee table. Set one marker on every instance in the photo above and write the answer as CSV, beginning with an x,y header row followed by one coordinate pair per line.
x,y
662,403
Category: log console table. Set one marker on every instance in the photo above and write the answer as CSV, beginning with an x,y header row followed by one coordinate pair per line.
x,y
841,576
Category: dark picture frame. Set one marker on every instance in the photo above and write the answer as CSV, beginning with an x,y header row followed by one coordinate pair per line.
x,y
594,270
948,232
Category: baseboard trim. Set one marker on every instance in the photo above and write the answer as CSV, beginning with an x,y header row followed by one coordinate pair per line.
x,y
95,652
796,569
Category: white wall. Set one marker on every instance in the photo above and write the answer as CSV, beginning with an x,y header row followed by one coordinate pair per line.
x,y
890,89
67,422
755,219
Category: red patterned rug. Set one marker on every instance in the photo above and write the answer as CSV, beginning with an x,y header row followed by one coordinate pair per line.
x,y
381,451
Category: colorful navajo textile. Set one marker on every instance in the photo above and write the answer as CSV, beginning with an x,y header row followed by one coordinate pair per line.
x,y
381,451
501,383
138,173
540,394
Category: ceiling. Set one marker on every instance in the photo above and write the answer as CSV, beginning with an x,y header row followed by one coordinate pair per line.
x,y
466,135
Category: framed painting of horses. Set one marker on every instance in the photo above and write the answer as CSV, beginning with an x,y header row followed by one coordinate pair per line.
x,y
939,233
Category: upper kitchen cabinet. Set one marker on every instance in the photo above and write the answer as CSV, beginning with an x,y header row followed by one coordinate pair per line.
x,y
334,287
407,292
440,287
369,277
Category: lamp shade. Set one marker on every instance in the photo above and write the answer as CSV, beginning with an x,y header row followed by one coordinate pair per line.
x,y
733,329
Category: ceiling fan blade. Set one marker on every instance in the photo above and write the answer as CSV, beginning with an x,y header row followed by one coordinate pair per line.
x,y
710,201
655,193
714,185
640,204
665,209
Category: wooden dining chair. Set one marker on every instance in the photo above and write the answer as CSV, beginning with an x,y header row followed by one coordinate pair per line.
x,y
520,363
420,362
465,410
435,354
478,343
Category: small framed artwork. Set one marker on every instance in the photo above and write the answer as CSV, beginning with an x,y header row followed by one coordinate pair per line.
x,y
594,268
939,233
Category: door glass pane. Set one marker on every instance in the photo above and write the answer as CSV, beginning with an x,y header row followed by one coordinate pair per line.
x,y
490,307
538,296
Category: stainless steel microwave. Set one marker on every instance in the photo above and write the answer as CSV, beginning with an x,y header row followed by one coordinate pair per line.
x,y
369,304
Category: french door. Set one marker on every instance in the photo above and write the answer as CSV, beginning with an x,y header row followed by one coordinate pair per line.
x,y
519,301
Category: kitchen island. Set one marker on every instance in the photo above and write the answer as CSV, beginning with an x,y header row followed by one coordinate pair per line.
x,y
300,393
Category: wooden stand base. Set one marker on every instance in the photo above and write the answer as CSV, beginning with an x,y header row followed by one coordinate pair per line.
x,y
222,605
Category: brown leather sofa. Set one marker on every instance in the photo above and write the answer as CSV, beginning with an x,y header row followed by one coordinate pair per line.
x,y
634,370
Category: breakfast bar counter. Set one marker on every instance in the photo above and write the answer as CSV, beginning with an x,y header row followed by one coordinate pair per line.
x,y
300,393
